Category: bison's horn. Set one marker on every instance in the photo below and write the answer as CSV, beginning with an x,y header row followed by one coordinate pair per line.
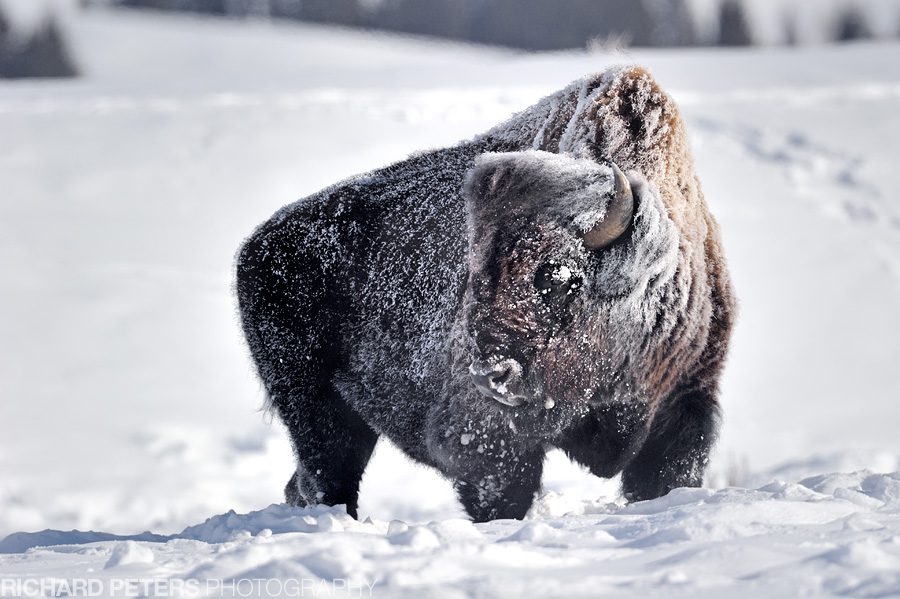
x,y
618,215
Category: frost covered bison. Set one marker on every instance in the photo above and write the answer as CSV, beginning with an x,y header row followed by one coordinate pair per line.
x,y
482,303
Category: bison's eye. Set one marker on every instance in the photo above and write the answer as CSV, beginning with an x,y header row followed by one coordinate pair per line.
x,y
552,276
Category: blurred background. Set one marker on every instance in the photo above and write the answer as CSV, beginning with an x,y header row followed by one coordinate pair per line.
x,y
536,25
142,140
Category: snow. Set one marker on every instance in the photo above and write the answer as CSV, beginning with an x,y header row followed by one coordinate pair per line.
x,y
128,552
830,534
131,404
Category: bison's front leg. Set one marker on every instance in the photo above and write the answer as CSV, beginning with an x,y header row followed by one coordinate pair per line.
x,y
495,473
502,487
677,450
606,438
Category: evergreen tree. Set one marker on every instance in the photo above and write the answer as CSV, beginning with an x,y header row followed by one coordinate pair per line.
x,y
46,54
673,23
790,35
7,48
734,30
852,25
290,9
4,27
629,20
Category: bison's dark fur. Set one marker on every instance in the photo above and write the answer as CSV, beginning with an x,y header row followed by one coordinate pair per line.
x,y
451,303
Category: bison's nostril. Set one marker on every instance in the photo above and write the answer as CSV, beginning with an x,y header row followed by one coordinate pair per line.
x,y
498,381
501,377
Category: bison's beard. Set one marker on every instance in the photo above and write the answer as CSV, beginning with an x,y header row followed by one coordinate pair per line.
x,y
569,373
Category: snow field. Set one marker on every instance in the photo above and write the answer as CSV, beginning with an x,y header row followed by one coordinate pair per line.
x,y
131,405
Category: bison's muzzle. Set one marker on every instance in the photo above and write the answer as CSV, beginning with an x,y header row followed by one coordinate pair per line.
x,y
501,381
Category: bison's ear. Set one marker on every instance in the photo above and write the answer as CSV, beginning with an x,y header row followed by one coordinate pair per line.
x,y
618,215
497,181
489,179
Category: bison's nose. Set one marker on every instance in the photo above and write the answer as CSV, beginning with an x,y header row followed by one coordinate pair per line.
x,y
499,380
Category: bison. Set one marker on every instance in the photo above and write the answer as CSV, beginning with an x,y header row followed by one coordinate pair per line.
x,y
555,282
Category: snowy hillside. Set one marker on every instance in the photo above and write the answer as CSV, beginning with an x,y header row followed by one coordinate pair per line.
x,y
130,403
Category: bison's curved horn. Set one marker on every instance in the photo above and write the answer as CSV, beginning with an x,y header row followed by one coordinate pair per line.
x,y
618,214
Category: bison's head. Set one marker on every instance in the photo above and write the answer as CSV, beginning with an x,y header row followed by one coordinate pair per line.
x,y
540,225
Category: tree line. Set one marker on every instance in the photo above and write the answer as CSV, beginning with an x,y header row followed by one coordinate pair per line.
x,y
526,24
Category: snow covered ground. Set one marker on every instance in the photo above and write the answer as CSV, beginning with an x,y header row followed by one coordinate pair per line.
x,y
129,402
831,534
